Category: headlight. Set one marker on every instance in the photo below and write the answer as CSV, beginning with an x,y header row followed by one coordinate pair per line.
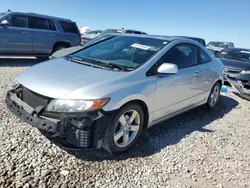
x,y
68,105
245,72
13,85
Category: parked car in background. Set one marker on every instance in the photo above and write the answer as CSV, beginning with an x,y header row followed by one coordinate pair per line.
x,y
107,94
90,35
35,34
217,46
108,31
200,40
67,51
104,35
237,65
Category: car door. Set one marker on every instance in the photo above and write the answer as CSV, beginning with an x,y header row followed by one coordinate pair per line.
x,y
178,92
16,37
207,76
44,34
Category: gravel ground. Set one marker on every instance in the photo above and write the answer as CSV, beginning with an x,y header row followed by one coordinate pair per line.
x,y
200,148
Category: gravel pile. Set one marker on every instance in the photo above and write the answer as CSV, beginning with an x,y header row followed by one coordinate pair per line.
x,y
200,148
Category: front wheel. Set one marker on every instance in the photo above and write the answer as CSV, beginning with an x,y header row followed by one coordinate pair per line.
x,y
214,96
124,128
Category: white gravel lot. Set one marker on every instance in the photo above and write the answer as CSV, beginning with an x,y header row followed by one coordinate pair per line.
x,y
200,148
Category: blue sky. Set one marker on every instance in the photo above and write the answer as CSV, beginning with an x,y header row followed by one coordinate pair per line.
x,y
226,20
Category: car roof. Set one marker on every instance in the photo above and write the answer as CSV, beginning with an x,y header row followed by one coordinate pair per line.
x,y
221,41
41,16
162,37
124,30
191,37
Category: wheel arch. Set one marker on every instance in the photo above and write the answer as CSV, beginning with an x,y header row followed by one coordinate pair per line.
x,y
66,43
140,100
144,109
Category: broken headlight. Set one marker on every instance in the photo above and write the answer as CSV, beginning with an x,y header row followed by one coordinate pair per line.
x,y
68,105
13,85
245,72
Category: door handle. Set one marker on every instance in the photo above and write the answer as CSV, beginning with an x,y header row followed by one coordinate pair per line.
x,y
197,73
51,34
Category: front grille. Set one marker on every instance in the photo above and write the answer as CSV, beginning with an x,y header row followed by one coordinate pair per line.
x,y
31,98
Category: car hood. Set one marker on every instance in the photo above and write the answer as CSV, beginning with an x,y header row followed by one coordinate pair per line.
x,y
235,64
59,77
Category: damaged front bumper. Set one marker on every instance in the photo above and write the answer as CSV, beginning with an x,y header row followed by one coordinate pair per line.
x,y
242,88
76,130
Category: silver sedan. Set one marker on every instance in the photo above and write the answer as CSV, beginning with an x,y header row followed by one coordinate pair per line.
x,y
107,94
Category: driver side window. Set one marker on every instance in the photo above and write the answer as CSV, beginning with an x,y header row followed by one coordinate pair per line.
x,y
18,21
183,55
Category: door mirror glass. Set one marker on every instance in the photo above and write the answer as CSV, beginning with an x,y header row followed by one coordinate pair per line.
x,y
168,68
4,23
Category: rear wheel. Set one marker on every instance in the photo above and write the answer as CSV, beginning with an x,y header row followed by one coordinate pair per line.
x,y
214,96
124,128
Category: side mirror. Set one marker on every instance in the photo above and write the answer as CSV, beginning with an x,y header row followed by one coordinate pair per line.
x,y
4,23
168,68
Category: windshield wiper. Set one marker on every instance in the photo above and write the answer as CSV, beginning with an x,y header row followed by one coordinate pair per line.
x,y
109,64
99,62
84,61
115,66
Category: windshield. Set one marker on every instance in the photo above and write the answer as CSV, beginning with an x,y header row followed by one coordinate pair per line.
x,y
218,44
97,39
126,51
236,54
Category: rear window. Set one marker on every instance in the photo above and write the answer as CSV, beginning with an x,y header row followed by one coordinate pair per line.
x,y
69,27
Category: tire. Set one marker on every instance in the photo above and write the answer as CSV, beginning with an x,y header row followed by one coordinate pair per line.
x,y
59,47
126,135
214,96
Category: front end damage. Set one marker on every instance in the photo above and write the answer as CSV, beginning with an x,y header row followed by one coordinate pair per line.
x,y
239,81
73,130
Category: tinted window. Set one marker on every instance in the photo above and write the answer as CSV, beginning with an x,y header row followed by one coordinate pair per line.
x,y
183,55
18,21
41,23
128,31
137,32
69,27
204,58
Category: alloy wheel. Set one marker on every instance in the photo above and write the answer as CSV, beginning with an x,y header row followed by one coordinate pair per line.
x,y
214,96
127,128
